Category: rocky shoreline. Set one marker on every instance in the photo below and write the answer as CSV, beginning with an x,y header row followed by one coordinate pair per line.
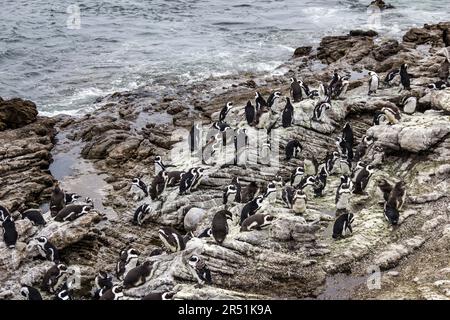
x,y
98,154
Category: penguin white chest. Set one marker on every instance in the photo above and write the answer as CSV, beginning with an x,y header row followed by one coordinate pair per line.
x,y
299,206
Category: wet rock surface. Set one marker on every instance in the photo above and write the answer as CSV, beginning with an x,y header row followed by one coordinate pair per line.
x,y
296,257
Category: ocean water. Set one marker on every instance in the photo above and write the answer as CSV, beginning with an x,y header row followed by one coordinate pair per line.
x,y
64,54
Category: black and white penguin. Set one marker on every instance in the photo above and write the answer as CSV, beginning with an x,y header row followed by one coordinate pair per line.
x,y
128,260
195,137
172,239
4,212
293,149
257,221
251,208
374,82
299,202
47,250
103,282
250,192
296,175
35,216
168,295
345,165
362,179
324,94
70,198
142,213
158,186
439,85
57,200
405,78
343,225
296,90
379,117
259,101
288,114
341,88
54,278
287,195
219,225
72,212
320,182
250,113
10,234
64,294
115,293
397,196
446,37
392,114
229,190
306,181
223,113
207,233
362,147
138,275
319,110
199,270
343,193
187,181
30,293
347,137
330,161
385,188
199,174
272,98
160,165
270,192
390,76
357,169
140,185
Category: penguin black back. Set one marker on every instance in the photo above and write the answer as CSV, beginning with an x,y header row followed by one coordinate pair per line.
x,y
219,226
288,114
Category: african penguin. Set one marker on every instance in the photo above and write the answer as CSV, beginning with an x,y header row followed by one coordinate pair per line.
x,y
199,173
251,208
224,111
288,114
397,195
359,166
103,282
138,275
195,137
187,181
385,188
320,183
172,239
128,260
158,185
293,149
64,293
10,234
72,212
392,114
272,98
297,175
70,198
139,189
142,213
343,225
405,77
207,233
46,249
362,147
35,216
219,225
299,202
250,192
379,117
115,293
57,200
373,82
343,193
259,101
4,212
296,90
257,221
229,190
390,76
270,192
54,278
306,181
362,179
319,110
199,270
250,113
439,85
30,293
159,296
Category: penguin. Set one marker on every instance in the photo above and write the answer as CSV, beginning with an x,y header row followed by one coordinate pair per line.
x,y
142,213
64,293
160,165
320,183
439,85
70,198
288,114
306,181
343,193
259,101
199,270
362,179
199,173
35,216
4,212
54,278
57,200
319,110
324,94
362,147
235,181
299,202
103,282
72,212
373,82
296,90
287,195
187,180
257,221
272,98
251,208
343,225
392,114
250,192
262,118
270,192
115,293
158,185
168,295
195,137
397,196
10,234
172,239
224,111
379,117
293,149
30,293
128,260
140,188
47,250
405,78
138,275
386,188
358,167
229,190
330,161
334,81
391,214
297,175
345,165
207,233
219,225
390,76
342,88
347,137
250,113
446,37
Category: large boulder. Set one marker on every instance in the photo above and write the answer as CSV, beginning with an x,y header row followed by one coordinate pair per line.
x,y
16,113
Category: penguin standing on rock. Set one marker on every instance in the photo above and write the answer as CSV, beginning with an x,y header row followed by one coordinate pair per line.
x,y
293,149
139,189
219,225
343,225
103,282
10,234
224,111
390,76
373,82
288,114
250,192
392,114
379,117
229,190
158,185
343,194
142,213
64,294
115,293
250,113
259,101
47,250
199,270
199,173
296,90
57,200
30,293
272,98
251,208
54,278
385,188
395,202
70,198
362,179
172,239
35,216
72,212
128,260
319,110
405,78
320,183
257,221
138,275
187,181
297,175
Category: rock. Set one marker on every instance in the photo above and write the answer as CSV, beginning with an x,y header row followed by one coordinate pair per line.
x,y
302,51
428,34
386,49
363,33
16,113
396,252
440,100
333,48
